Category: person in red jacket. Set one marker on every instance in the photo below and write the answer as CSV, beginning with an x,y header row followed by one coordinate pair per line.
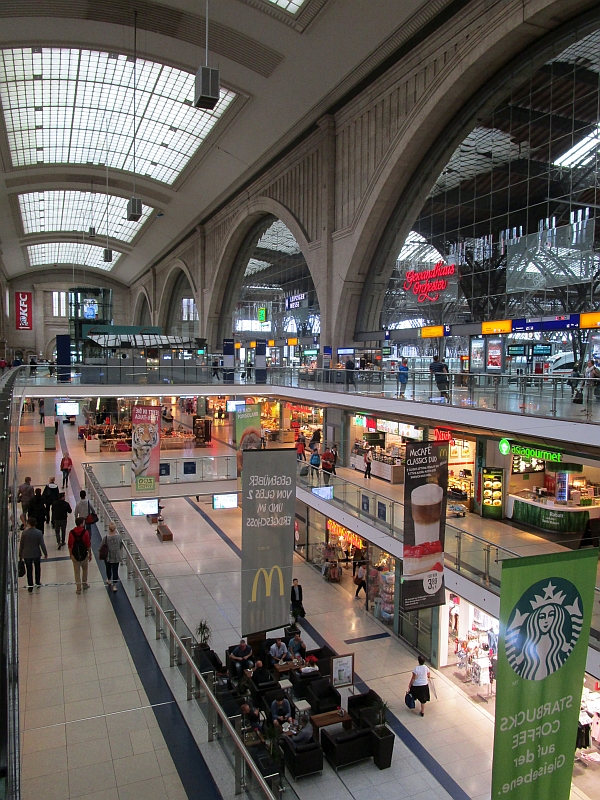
x,y
80,550
66,465
327,463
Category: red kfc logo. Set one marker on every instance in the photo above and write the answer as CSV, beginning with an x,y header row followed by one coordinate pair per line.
x,y
24,311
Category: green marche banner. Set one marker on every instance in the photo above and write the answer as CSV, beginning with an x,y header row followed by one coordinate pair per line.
x,y
545,616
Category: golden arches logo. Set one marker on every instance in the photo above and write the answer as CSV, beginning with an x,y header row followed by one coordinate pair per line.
x,y
268,581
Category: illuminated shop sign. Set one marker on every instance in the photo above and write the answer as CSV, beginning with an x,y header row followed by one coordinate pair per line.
x,y
338,530
262,314
296,301
428,283
442,435
526,451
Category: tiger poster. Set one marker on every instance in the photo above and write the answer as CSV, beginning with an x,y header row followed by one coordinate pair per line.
x,y
145,449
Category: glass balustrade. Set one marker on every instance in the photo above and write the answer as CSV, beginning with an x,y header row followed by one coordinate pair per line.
x,y
534,395
172,470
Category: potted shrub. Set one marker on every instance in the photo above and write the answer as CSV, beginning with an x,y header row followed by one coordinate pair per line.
x,y
382,737
293,626
203,633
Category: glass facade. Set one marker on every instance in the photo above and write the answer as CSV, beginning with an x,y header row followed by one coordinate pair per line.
x,y
277,296
508,229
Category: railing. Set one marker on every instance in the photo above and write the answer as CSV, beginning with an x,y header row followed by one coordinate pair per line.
x,y
173,470
10,409
475,557
182,647
534,395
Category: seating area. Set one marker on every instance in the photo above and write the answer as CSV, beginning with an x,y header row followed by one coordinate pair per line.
x,y
311,696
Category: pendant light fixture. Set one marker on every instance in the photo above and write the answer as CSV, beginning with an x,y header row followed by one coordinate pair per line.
x,y
134,206
207,90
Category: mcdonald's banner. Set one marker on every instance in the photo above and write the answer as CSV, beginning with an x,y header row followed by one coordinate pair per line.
x,y
545,615
268,511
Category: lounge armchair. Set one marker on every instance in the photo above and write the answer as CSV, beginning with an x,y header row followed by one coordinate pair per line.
x,y
360,708
305,759
347,747
322,696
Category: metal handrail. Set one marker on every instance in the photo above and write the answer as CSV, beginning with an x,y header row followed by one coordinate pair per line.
x,y
106,507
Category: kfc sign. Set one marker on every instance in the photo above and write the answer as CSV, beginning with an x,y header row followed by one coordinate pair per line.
x,y
428,283
24,311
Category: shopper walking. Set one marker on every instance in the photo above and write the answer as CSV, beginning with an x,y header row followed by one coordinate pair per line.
x,y
440,373
360,581
327,465
402,378
80,551
350,367
315,463
368,459
300,454
41,406
315,440
37,509
66,465
25,494
114,546
60,512
31,547
336,457
419,684
49,496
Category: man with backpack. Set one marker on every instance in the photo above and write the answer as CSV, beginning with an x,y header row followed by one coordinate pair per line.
x,y
327,465
315,463
80,550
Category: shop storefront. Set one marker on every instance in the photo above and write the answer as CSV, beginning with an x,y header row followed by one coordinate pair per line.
x,y
387,441
552,491
461,466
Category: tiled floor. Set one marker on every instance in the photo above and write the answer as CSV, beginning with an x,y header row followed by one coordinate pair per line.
x,y
87,727
200,573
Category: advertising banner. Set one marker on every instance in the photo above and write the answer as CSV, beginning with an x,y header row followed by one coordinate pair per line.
x,y
268,511
425,492
24,311
145,449
247,431
545,615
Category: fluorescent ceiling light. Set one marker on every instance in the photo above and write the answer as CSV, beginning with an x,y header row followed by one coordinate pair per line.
x,y
72,106
69,253
582,153
288,5
49,212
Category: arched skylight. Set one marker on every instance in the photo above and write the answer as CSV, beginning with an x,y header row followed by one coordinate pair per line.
x,y
72,106
48,212
288,5
69,253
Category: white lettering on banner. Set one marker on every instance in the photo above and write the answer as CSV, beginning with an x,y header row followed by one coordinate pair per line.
x,y
24,310
270,480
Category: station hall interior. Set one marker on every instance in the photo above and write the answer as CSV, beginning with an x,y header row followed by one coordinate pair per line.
x,y
323,237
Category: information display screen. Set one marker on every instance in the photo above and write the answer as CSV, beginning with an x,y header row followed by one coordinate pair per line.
x,y
324,492
149,505
236,405
542,349
67,409
516,350
225,500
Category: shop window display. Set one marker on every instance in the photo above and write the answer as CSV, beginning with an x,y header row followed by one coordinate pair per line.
x,y
381,585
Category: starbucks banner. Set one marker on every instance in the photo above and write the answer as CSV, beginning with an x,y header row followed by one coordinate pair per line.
x,y
545,614
247,431
425,490
268,512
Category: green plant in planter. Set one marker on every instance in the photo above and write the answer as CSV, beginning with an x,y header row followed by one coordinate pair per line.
x,y
382,708
203,632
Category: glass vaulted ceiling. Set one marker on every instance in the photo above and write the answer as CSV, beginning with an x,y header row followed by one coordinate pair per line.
x,y
288,5
49,212
69,253
72,106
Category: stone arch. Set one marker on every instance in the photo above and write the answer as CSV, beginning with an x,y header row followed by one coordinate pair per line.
x,y
484,77
50,348
229,271
143,310
176,269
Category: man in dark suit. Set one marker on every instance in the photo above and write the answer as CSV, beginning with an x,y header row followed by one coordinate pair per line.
x,y
296,597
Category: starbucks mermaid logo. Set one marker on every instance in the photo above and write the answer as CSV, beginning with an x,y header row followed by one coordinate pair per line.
x,y
543,628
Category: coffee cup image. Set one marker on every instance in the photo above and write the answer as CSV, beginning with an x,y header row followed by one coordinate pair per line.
x,y
426,503
250,440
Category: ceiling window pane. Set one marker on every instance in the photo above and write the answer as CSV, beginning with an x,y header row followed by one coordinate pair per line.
x,y
288,5
54,211
71,106
68,254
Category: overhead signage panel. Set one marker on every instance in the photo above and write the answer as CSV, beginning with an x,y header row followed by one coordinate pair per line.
x,y
497,326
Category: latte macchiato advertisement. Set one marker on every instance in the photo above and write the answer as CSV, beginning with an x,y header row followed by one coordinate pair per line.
x,y
425,491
